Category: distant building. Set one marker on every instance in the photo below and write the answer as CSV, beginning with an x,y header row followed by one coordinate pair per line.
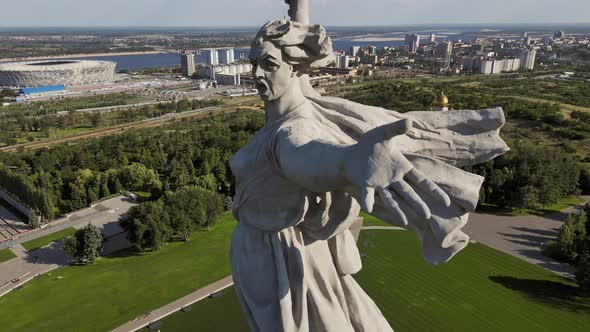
x,y
559,35
211,57
511,65
226,56
187,63
338,71
528,58
354,50
432,38
372,50
527,40
413,42
525,34
228,79
341,60
211,72
498,66
486,67
445,51
371,59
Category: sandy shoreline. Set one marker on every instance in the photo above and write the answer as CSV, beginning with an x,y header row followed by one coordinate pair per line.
x,y
82,55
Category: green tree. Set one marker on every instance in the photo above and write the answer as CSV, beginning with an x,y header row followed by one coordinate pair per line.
x,y
92,196
104,190
148,225
567,239
85,245
138,177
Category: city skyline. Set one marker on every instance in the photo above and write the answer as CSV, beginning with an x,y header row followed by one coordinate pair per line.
x,y
136,13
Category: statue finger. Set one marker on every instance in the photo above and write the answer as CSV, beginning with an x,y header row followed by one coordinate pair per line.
x,y
391,205
408,194
388,131
368,199
421,181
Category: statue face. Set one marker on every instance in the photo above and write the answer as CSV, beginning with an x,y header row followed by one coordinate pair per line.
x,y
272,74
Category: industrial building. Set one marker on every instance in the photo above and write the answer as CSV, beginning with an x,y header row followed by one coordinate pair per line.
x,y
55,73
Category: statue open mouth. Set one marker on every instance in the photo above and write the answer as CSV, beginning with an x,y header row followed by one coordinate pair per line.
x,y
262,87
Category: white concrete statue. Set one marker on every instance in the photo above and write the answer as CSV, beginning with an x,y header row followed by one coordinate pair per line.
x,y
301,179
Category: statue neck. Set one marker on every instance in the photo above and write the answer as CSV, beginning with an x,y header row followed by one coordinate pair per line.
x,y
289,101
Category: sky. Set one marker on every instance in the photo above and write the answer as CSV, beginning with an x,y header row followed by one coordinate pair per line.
x,y
128,13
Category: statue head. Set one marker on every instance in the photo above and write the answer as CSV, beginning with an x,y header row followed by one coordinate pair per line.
x,y
283,49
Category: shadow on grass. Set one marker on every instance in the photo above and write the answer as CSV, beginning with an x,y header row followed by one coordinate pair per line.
x,y
128,252
552,293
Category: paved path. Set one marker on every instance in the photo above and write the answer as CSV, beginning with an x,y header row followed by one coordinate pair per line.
x,y
102,215
175,306
16,272
521,236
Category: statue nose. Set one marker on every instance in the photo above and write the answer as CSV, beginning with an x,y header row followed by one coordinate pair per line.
x,y
257,71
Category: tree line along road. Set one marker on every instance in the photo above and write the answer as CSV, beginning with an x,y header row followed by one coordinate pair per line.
x,y
147,123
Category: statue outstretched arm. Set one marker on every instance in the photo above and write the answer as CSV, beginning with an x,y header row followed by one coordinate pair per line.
x,y
365,170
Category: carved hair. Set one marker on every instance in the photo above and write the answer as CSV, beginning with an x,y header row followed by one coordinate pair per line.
x,y
304,46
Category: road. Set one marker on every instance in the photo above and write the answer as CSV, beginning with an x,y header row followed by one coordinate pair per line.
x,y
27,265
521,236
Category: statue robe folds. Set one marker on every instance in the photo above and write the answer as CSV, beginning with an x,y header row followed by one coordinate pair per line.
x,y
303,238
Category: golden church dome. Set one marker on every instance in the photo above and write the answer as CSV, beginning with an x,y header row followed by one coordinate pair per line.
x,y
441,100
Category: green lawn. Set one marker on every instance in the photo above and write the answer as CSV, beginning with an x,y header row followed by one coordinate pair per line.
x,y
211,314
481,289
559,206
116,289
6,255
45,240
369,220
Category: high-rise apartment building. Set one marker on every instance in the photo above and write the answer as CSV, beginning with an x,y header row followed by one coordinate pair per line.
x,y
341,60
354,50
226,56
527,59
432,38
187,63
445,51
211,57
413,42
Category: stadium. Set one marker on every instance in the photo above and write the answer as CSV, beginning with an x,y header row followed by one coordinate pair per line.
x,y
55,72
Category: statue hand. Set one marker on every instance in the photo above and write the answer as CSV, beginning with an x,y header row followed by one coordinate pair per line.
x,y
377,166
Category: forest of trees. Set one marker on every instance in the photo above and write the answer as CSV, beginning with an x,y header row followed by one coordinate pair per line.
x,y
529,176
69,177
532,175
173,216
